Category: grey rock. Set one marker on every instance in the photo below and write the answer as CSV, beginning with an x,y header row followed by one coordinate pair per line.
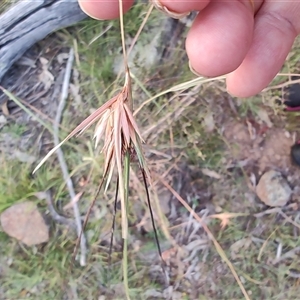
x,y
273,189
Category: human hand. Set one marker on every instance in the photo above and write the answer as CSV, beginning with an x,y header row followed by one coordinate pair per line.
x,y
247,39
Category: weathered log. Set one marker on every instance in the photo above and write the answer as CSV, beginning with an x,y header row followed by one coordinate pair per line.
x,y
28,22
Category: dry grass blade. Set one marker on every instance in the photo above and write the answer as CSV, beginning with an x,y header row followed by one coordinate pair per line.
x,y
217,245
79,129
22,105
226,216
179,87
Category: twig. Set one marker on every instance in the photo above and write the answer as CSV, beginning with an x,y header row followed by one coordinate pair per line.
x,y
293,274
62,162
289,254
279,211
282,85
54,214
289,219
270,211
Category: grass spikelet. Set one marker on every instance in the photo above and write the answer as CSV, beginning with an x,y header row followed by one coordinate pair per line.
x,y
120,134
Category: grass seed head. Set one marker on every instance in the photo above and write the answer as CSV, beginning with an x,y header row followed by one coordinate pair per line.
x,y
121,137
118,130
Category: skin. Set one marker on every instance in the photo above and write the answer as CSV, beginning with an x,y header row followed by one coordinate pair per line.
x,y
248,40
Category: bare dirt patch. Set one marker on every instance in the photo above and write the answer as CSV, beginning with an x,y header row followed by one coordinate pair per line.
x,y
261,148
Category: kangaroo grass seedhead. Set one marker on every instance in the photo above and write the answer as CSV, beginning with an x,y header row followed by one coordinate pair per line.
x,y
116,127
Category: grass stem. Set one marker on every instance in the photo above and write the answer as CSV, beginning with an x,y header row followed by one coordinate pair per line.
x,y
125,245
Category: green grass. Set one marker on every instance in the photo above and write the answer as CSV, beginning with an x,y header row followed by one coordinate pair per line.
x,y
16,130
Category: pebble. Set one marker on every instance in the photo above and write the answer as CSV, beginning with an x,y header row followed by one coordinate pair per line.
x,y
273,189
24,222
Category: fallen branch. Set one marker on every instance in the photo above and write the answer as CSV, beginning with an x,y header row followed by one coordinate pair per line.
x,y
47,196
28,22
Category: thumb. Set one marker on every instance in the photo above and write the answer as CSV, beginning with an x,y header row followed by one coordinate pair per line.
x,y
104,9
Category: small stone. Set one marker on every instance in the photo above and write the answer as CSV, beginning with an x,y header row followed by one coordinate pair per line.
x,y
277,157
3,120
24,222
287,134
273,189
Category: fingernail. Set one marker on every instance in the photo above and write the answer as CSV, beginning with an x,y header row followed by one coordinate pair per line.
x,y
193,70
168,12
82,8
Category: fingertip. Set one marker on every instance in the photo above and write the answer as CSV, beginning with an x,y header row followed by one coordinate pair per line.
x,y
243,87
104,9
214,44
184,5
272,42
